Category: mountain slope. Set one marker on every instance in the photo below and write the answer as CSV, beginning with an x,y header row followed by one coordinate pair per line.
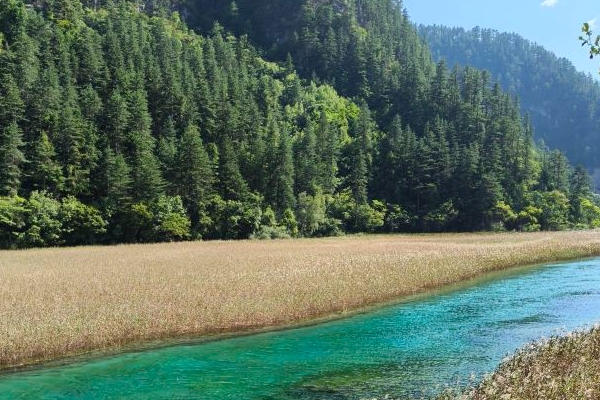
x,y
368,49
120,124
564,104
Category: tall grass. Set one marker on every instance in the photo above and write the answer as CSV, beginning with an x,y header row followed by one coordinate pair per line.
x,y
560,368
61,302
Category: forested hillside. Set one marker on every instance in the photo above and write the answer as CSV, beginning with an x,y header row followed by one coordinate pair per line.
x,y
564,104
120,124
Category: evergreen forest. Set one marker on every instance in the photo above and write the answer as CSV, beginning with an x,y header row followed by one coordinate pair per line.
x,y
148,121
562,102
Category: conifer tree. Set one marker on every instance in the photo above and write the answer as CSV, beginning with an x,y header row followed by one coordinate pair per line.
x,y
44,172
280,188
11,159
118,181
231,183
328,145
306,163
11,104
147,182
194,175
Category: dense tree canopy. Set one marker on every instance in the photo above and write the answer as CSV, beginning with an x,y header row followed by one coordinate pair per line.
x,y
562,102
120,124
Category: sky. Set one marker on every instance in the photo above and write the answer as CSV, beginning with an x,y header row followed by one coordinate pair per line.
x,y
554,24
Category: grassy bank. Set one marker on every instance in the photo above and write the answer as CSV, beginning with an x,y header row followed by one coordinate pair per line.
x,y
61,302
556,369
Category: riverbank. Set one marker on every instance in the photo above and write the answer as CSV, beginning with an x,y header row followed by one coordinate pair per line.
x,y
566,367
56,303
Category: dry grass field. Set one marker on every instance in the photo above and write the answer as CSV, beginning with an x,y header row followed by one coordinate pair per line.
x,y
556,369
61,302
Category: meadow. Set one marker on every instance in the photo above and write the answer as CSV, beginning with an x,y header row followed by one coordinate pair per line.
x,y
56,303
558,368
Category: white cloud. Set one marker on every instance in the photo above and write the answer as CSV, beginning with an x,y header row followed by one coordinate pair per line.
x,y
592,23
549,3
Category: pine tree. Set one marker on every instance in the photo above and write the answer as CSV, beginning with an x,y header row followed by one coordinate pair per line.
x,y
116,117
386,183
328,146
45,102
280,189
70,144
166,152
118,181
147,182
195,175
11,159
357,178
360,158
580,189
555,172
11,104
231,183
44,172
306,162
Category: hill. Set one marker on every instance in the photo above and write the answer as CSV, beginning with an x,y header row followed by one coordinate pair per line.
x,y
118,123
562,102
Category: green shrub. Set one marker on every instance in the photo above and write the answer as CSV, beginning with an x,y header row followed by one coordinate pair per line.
x,y
440,218
397,219
13,213
82,224
43,224
170,220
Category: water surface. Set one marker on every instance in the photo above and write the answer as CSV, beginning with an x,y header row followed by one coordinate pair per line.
x,y
403,350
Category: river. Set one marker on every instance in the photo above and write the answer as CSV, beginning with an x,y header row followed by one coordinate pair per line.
x,y
417,347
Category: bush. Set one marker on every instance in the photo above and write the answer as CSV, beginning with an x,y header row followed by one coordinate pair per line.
x,y
555,208
288,220
356,217
397,219
44,226
527,219
232,219
12,220
368,218
503,217
134,224
163,220
170,220
271,232
268,218
590,213
310,214
440,218
270,229
82,224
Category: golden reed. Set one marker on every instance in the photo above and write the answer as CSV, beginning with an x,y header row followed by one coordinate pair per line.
x,y
56,303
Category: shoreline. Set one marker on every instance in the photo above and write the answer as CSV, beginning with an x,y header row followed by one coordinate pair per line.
x,y
583,249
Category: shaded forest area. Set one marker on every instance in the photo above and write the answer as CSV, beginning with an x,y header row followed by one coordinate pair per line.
x,y
119,124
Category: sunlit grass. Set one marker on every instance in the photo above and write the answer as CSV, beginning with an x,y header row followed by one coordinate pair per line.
x,y
60,302
559,368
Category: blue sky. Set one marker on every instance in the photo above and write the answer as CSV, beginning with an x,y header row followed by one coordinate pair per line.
x,y
554,24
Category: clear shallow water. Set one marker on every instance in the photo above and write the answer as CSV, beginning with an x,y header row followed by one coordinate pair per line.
x,y
400,350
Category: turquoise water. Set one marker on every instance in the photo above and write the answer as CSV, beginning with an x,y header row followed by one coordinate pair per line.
x,y
403,350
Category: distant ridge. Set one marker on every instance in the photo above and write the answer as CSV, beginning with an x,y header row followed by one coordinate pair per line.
x,y
564,104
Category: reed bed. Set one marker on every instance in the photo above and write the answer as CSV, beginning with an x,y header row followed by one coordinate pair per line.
x,y
560,368
56,303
